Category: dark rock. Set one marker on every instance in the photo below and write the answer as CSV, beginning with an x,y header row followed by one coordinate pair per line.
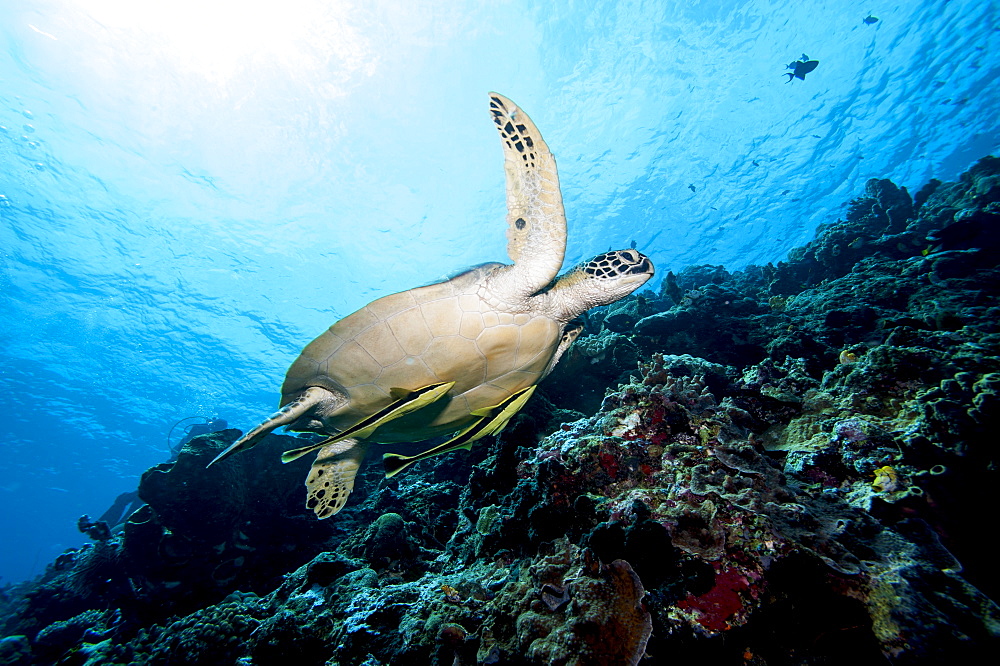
x,y
16,651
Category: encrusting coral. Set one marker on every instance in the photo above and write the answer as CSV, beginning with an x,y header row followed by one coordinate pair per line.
x,y
793,465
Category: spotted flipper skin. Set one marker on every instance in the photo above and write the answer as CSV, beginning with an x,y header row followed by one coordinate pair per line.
x,y
289,413
331,478
536,220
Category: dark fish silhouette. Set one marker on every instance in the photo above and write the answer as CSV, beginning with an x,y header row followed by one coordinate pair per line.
x,y
692,188
800,68
869,20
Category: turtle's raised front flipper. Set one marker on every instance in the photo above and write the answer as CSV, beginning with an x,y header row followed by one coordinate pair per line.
x,y
536,221
289,413
406,401
331,478
492,420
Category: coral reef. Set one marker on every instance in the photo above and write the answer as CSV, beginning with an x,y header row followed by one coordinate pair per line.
x,y
201,535
785,465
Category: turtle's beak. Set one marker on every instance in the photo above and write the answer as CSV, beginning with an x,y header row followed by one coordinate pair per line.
x,y
644,267
635,266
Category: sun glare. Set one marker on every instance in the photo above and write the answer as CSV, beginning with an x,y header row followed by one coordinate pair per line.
x,y
217,37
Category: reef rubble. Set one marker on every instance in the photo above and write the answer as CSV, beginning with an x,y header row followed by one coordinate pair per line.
x,y
789,464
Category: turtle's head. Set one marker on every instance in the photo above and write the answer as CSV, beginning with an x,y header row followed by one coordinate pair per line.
x,y
622,270
603,280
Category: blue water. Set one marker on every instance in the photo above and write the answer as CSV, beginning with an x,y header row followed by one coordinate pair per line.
x,y
190,193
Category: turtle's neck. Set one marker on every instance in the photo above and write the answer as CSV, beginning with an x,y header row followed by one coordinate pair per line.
x,y
572,295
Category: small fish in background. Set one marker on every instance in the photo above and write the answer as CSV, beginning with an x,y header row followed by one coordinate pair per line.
x,y
800,68
692,187
870,20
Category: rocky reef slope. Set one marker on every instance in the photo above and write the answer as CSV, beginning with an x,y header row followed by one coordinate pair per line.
x,y
791,464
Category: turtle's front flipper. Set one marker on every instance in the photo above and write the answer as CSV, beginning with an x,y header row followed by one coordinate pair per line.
x,y
492,420
331,478
536,221
289,413
406,401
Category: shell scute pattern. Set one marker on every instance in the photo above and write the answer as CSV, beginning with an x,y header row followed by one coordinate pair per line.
x,y
471,326
455,357
352,365
381,344
496,343
425,295
538,336
368,396
410,330
411,366
443,316
312,361
431,334
388,306
471,303
351,325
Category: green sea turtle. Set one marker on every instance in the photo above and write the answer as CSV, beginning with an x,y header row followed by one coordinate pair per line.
x,y
458,357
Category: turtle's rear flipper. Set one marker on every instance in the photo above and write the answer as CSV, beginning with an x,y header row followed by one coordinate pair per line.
x,y
331,478
289,413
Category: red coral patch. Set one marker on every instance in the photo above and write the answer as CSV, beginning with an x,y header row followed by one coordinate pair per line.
x,y
609,464
721,602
